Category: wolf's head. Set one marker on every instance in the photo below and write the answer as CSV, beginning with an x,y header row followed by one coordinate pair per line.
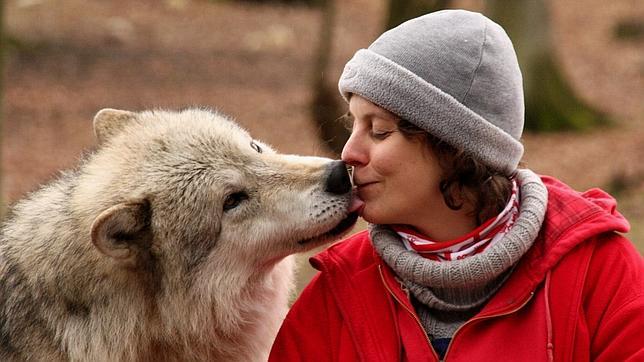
x,y
183,187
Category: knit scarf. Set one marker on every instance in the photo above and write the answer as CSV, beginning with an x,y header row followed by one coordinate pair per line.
x,y
472,243
447,293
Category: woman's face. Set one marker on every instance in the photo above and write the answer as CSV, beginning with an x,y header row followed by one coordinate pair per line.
x,y
397,177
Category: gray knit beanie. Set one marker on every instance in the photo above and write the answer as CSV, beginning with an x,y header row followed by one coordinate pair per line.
x,y
453,73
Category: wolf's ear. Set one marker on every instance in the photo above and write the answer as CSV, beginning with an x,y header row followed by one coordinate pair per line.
x,y
122,232
108,122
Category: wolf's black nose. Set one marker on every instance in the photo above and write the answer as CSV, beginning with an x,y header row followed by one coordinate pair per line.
x,y
338,181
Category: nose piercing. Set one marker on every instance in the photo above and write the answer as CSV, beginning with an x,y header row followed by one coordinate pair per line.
x,y
350,171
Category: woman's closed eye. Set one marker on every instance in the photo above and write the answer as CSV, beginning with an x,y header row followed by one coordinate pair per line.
x,y
381,128
380,134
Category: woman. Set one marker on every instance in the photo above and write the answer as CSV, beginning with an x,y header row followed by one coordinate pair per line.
x,y
467,256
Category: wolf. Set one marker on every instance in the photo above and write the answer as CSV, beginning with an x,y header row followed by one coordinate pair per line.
x,y
171,241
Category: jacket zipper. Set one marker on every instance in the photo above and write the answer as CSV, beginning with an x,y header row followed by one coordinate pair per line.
x,y
486,317
429,343
459,328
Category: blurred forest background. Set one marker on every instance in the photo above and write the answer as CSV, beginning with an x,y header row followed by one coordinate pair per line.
x,y
273,65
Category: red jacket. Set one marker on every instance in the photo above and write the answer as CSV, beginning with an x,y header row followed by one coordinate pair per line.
x,y
577,294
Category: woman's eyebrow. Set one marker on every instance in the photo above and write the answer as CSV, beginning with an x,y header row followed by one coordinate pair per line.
x,y
374,113
383,114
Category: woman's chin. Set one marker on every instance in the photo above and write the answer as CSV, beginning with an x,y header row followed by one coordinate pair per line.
x,y
369,216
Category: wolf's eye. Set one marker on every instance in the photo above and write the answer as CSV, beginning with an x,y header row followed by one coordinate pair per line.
x,y
255,146
233,200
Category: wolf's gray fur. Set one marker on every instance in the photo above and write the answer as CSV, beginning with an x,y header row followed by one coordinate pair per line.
x,y
170,242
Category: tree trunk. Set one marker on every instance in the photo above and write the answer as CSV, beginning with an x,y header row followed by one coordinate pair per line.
x,y
325,107
551,104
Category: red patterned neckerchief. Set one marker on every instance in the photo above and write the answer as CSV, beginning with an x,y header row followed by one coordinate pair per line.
x,y
473,243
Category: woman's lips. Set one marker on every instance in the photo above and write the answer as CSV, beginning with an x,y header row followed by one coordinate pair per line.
x,y
364,185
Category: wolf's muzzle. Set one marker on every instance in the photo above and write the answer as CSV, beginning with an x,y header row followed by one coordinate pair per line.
x,y
338,181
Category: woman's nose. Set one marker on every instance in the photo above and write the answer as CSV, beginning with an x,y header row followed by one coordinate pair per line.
x,y
354,152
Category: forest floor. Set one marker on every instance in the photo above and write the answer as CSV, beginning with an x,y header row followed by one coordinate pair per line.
x,y
70,58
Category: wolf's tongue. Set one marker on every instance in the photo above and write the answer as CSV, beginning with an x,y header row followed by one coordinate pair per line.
x,y
356,203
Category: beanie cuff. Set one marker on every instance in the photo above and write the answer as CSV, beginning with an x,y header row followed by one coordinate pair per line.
x,y
410,97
